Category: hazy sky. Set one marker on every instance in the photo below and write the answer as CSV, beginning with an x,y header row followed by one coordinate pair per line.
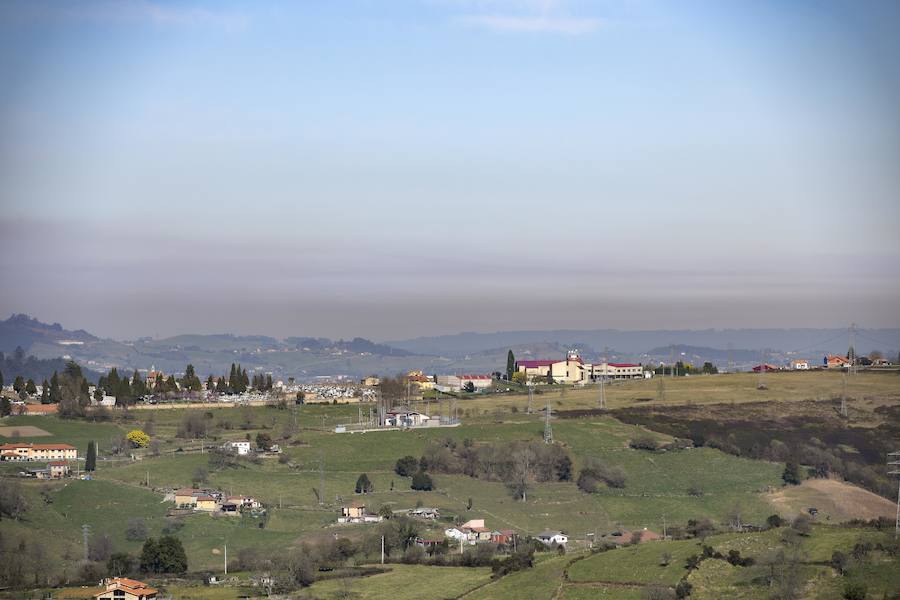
x,y
391,168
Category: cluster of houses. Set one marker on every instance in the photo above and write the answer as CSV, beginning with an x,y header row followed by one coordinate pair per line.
x,y
574,370
474,532
213,502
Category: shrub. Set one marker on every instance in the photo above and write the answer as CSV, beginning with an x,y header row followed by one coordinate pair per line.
x,y
138,438
791,475
774,521
421,481
644,442
406,466
683,589
854,590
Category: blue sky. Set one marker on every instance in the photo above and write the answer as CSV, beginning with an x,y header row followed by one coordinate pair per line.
x,y
396,168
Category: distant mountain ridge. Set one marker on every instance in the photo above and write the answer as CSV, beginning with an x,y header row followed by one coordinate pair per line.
x,y
311,357
639,342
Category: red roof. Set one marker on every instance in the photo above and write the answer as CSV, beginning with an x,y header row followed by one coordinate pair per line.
x,y
58,463
38,446
533,364
622,365
41,408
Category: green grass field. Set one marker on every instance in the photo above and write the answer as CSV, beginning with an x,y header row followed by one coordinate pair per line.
x,y
656,488
406,582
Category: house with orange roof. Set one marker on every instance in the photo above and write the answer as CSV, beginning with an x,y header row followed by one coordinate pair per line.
x,y
29,451
36,410
122,588
836,361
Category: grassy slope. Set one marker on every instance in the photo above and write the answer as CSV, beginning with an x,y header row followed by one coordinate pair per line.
x,y
407,582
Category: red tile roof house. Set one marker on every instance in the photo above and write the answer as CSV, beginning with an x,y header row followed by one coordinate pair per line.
x,y
40,410
504,536
121,588
29,451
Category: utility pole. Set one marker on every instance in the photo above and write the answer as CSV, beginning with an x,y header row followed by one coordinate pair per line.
x,y
86,533
852,357
530,397
602,392
844,395
664,526
382,549
894,461
226,559
548,429
321,478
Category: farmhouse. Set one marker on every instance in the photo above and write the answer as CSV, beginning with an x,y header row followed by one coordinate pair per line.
x,y
764,368
471,532
205,503
553,538
120,588
20,452
799,364
503,536
241,447
836,361
424,513
355,512
53,470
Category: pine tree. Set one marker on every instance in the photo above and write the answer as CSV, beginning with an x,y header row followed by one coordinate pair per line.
x,y
45,392
138,386
90,461
269,385
30,388
1,376
55,392
510,364
18,384
232,378
364,485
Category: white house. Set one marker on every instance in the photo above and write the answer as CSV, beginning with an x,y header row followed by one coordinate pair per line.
x,y
455,383
242,447
800,364
553,538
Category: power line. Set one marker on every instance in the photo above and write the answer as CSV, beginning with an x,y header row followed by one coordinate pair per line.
x,y
896,471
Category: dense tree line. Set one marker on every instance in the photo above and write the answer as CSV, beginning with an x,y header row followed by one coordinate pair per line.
x,y
18,364
515,463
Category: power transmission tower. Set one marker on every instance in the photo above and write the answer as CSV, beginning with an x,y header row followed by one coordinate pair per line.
x,y
548,429
894,461
672,361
